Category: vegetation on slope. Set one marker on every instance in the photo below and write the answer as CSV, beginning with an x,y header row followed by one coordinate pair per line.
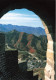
x,y
27,42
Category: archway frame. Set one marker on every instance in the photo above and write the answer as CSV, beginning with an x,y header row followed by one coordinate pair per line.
x,y
49,73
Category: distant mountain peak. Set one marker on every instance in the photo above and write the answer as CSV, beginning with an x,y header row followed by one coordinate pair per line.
x,y
37,31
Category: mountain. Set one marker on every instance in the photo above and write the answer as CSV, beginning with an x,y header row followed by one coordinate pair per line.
x,y
37,31
27,42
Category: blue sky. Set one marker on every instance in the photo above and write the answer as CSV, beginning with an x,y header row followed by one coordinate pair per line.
x,y
22,17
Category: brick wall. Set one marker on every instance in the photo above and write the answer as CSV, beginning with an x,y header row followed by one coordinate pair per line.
x,y
2,55
11,63
8,61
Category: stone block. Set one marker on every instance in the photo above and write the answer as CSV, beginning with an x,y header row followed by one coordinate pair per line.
x,y
50,55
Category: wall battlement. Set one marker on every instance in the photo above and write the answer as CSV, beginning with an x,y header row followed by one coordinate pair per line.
x,y
9,68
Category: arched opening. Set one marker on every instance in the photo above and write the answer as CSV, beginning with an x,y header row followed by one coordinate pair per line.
x,y
30,40
52,56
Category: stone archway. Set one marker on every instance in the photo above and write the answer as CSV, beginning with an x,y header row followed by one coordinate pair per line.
x,y
49,69
45,9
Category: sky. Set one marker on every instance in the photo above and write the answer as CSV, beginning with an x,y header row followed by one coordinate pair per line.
x,y
21,17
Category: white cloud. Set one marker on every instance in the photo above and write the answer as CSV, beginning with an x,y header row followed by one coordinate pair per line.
x,y
15,16
21,19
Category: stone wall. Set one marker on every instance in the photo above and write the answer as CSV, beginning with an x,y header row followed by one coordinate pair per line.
x,y
2,55
23,66
11,64
9,68
8,61
54,45
49,69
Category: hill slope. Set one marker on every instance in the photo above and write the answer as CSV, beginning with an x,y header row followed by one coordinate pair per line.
x,y
26,42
